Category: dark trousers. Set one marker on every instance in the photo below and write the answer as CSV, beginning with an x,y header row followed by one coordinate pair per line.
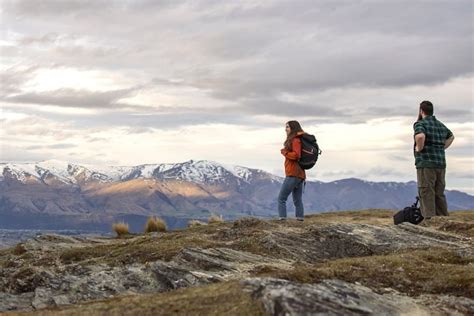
x,y
431,184
293,185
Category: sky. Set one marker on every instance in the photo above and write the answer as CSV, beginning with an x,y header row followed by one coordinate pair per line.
x,y
135,82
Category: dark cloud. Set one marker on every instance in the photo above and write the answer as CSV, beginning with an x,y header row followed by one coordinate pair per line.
x,y
12,78
44,39
54,146
465,113
53,7
240,50
138,130
259,106
138,121
246,54
9,153
75,98
161,121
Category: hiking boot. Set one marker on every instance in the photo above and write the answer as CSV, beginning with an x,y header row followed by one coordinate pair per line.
x,y
425,222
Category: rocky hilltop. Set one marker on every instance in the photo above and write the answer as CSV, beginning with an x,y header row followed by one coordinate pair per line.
x,y
346,263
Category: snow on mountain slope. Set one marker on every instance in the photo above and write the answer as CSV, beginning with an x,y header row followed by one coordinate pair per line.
x,y
20,171
194,171
62,170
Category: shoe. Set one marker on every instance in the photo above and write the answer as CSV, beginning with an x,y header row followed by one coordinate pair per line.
x,y
425,222
300,219
282,218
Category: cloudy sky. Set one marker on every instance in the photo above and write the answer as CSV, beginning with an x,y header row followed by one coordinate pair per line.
x,y
133,82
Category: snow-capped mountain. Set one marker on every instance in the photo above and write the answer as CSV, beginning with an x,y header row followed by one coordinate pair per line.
x,y
62,195
201,171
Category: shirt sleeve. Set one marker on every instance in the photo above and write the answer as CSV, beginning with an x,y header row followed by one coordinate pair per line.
x,y
449,133
419,128
295,154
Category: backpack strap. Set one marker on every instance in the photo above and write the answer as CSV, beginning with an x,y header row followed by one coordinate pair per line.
x,y
416,203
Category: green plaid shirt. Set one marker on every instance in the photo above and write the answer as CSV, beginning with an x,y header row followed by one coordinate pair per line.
x,y
436,134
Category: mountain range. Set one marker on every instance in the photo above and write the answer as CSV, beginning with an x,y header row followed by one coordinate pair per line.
x,y
55,194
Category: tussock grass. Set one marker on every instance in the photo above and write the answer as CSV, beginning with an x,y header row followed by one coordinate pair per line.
x,y
215,219
19,249
121,229
195,223
155,224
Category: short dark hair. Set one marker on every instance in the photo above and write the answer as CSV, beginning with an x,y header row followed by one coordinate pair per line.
x,y
427,107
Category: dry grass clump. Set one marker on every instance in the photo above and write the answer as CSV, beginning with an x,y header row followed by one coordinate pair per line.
x,y
215,219
19,249
120,228
195,223
155,224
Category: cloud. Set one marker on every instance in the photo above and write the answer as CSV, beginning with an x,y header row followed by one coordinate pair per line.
x,y
50,7
11,153
13,77
353,73
54,146
74,98
215,45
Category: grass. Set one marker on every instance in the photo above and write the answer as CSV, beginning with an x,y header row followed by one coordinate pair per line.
x,y
244,234
213,219
414,272
226,298
370,216
121,229
139,249
435,271
461,223
155,224
19,249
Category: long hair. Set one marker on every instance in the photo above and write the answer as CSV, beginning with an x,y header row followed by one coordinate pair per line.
x,y
295,127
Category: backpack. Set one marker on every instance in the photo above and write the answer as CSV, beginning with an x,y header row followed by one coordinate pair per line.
x,y
410,214
309,151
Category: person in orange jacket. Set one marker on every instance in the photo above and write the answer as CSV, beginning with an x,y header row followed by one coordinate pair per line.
x,y
294,174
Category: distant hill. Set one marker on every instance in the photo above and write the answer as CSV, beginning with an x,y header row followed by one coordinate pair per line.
x,y
60,195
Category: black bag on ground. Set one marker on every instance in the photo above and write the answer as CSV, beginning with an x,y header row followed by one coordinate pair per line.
x,y
410,214
309,151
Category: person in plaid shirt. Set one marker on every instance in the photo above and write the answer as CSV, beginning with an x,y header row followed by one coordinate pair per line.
x,y
431,139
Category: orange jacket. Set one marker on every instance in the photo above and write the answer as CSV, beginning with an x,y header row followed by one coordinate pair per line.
x,y
292,168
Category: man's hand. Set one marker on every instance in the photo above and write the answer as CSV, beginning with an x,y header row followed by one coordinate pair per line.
x,y
420,142
283,151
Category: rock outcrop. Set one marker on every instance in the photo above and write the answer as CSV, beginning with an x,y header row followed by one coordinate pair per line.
x,y
58,271
330,297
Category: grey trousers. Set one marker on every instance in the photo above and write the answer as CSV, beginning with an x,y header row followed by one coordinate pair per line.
x,y
431,184
293,185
